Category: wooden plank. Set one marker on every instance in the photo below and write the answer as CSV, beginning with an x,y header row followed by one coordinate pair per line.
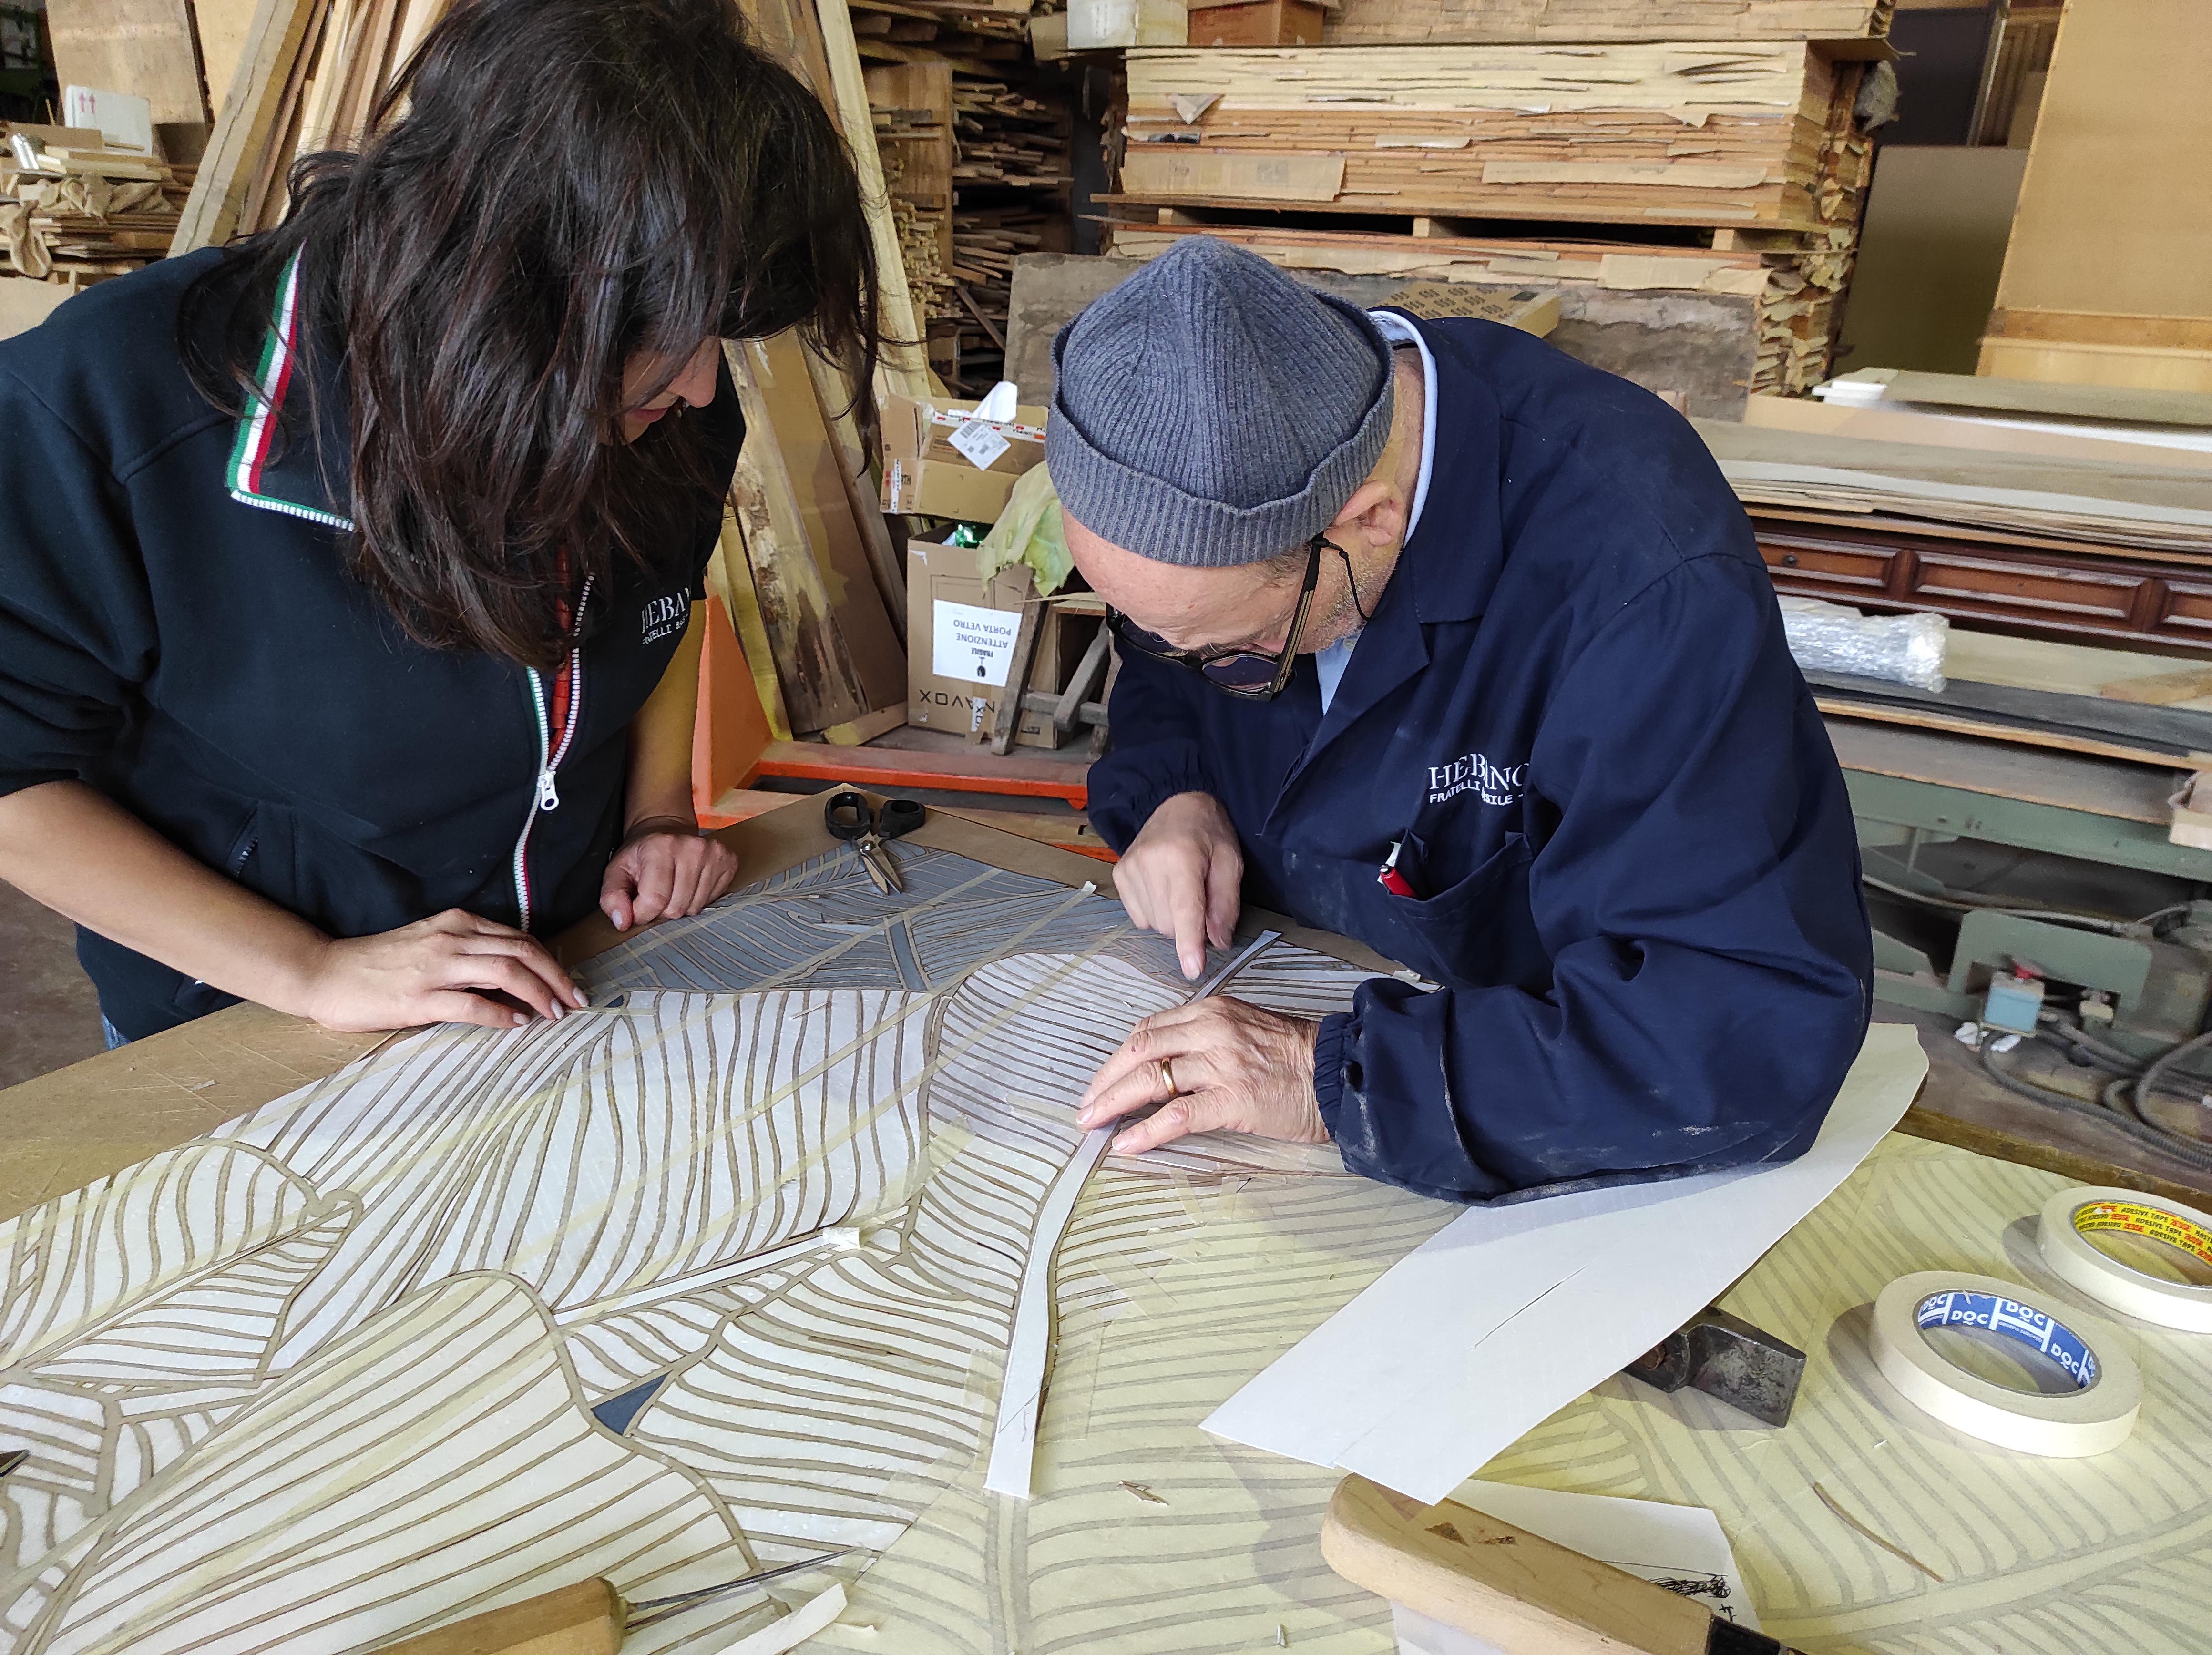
x,y
973,770
2065,781
840,408
2131,407
224,28
2115,211
144,48
1923,718
248,121
836,654
730,578
1464,22
2162,690
1752,133
2139,368
1883,423
902,371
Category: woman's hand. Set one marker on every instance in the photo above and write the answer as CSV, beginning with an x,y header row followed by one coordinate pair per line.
x,y
666,870
445,969
1214,1064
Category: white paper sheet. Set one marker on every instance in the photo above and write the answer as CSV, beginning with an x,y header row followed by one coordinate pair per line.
x,y
1509,1313
972,642
1681,1546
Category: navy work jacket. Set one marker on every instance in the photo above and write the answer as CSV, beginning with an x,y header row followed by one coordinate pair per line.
x,y
179,628
1635,871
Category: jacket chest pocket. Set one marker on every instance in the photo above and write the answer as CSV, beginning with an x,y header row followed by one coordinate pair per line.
x,y
1478,931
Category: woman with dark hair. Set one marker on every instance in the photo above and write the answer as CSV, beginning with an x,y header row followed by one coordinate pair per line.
x,y
346,575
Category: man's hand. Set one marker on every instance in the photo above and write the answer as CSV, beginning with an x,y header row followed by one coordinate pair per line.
x,y
666,870
1215,1064
1180,877
444,969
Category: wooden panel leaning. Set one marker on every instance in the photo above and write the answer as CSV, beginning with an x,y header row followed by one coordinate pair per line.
x,y
1517,1591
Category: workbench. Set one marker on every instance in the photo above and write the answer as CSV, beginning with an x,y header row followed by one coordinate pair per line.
x,y
1147,1535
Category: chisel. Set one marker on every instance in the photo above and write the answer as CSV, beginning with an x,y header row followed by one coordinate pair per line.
x,y
1518,1593
589,1618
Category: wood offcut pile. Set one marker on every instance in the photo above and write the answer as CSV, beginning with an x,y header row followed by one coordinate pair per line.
x,y
1754,133
1794,291
1706,148
975,140
73,211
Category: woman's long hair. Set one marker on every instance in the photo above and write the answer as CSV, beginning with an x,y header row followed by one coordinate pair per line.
x,y
550,189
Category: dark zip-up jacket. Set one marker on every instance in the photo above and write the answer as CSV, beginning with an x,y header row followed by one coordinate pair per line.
x,y
178,628
1635,873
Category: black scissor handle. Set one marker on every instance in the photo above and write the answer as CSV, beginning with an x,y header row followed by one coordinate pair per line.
x,y
901,816
848,815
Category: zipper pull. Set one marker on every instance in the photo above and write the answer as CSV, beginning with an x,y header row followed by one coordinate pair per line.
x,y
549,795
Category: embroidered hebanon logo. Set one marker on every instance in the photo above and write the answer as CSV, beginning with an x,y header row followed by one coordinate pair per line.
x,y
1496,784
663,616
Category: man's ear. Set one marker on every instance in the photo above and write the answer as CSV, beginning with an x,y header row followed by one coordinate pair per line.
x,y
1375,514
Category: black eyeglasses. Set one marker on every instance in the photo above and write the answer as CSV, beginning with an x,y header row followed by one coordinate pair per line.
x,y
1246,674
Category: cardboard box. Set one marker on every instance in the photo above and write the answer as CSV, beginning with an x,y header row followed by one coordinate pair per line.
x,y
940,461
1094,25
1257,23
960,638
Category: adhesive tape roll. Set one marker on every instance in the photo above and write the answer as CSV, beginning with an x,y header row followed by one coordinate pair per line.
x,y
2071,1217
2096,1416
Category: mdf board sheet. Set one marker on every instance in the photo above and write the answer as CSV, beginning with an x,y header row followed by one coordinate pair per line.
x,y
2116,210
1750,134
144,48
1447,22
1930,248
2144,367
224,27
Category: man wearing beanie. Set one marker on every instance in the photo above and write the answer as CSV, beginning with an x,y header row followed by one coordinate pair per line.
x,y
1434,637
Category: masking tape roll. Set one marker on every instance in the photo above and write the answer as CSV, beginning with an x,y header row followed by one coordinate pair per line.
x,y
2071,1217
2096,1416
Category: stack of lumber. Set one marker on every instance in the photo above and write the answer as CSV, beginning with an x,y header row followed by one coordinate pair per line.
x,y
993,187
1794,290
82,212
309,74
2069,511
1755,134
1453,22
912,106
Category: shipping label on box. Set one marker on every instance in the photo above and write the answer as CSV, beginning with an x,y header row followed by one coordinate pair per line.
x,y
954,683
939,460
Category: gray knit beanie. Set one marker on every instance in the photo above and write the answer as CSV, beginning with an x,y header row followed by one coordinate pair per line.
x,y
1210,411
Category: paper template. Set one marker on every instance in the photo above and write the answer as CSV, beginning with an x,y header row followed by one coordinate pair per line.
x,y
1510,1312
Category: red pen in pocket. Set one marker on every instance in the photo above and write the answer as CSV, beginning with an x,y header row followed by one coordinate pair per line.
x,y
1389,878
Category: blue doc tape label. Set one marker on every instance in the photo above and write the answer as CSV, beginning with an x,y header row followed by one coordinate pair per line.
x,y
2014,1320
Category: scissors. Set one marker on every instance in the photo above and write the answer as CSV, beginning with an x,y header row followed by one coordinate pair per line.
x,y
850,817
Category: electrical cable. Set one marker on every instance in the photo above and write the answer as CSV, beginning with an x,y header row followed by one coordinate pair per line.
x,y
2081,1045
2190,1150
1968,902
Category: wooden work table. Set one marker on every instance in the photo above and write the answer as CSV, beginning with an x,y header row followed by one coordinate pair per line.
x,y
1143,1526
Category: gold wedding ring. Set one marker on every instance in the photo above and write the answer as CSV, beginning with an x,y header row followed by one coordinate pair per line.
x,y
1167,1078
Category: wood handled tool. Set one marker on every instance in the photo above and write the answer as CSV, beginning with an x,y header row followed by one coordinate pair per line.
x,y
1521,1592
589,1618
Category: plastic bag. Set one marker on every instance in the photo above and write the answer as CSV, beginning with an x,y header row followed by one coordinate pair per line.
x,y
1905,649
1029,532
